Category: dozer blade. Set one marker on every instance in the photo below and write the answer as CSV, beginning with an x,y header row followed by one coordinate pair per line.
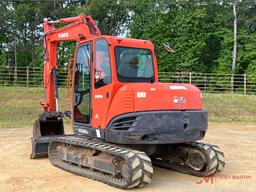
x,y
44,130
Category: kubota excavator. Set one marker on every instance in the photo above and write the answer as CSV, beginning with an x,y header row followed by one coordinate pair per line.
x,y
124,119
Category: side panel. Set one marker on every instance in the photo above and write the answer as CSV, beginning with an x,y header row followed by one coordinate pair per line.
x,y
141,97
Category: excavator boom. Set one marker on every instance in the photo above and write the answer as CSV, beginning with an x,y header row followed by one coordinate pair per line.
x,y
50,121
75,29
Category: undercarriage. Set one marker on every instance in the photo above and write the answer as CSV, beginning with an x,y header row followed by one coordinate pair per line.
x,y
125,167
130,164
114,165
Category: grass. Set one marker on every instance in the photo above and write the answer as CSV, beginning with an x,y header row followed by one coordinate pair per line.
x,y
230,107
20,106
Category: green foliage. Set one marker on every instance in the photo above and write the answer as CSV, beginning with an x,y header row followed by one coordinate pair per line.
x,y
111,15
21,27
200,31
3,58
249,56
250,59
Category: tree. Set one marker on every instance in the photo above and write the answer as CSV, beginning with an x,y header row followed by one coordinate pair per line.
x,y
234,46
111,15
191,27
201,31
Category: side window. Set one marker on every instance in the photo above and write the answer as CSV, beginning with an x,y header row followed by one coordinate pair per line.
x,y
83,63
82,108
102,74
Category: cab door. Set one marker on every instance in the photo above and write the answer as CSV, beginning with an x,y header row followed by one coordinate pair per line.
x,y
81,101
102,80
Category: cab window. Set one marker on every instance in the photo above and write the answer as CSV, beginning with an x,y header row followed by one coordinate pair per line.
x,y
102,74
134,64
83,63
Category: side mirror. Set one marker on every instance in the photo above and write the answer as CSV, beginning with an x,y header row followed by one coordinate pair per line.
x,y
168,48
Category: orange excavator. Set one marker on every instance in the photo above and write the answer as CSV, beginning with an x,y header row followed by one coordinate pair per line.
x,y
124,119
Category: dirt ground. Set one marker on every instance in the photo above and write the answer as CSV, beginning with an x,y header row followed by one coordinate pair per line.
x,y
19,173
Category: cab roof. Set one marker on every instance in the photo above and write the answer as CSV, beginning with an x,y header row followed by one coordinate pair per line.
x,y
127,42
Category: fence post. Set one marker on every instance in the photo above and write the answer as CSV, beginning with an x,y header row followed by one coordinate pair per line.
x,y
15,65
232,83
245,83
190,78
205,82
27,76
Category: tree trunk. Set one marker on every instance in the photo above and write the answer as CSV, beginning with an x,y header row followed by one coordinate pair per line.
x,y
234,47
33,49
15,64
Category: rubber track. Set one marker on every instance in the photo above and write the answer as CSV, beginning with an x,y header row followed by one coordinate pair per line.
x,y
140,166
215,160
147,168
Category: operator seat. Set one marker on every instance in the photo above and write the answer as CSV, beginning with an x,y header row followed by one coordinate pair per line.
x,y
130,68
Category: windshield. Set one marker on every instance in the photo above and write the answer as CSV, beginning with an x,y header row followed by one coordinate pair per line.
x,y
134,65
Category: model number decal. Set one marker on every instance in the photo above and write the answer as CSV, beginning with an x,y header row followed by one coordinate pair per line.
x,y
141,94
63,35
98,96
83,131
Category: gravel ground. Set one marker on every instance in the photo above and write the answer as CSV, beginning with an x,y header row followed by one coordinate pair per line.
x,y
19,173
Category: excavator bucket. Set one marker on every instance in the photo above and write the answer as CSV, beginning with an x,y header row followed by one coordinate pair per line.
x,y
44,130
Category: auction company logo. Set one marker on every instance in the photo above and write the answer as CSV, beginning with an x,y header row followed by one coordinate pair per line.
x,y
212,179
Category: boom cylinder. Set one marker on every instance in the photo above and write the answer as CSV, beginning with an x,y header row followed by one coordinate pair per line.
x,y
56,94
